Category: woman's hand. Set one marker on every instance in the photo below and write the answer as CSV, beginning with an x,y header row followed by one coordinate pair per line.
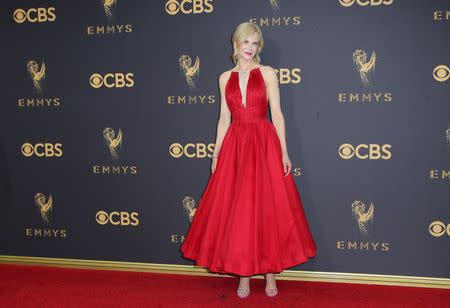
x,y
287,165
213,164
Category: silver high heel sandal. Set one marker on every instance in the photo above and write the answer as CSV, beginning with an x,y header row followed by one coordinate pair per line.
x,y
271,291
243,292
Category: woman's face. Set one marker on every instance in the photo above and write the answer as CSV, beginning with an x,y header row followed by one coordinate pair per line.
x,y
248,48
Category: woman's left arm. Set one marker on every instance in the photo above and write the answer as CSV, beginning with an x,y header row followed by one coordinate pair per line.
x,y
273,93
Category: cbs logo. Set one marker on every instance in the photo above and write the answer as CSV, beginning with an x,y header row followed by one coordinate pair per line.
x,y
365,151
438,228
348,3
441,73
199,150
42,149
173,7
34,15
112,80
286,75
117,218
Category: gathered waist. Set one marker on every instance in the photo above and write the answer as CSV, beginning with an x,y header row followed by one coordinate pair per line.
x,y
250,120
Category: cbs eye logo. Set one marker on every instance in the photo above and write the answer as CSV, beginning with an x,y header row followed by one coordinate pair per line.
x,y
112,80
191,150
441,73
348,3
365,151
173,7
42,149
117,218
438,228
34,15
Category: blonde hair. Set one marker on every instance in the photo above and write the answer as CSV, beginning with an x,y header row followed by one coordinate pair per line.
x,y
242,31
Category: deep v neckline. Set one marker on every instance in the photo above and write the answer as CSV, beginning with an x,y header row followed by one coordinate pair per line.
x,y
246,86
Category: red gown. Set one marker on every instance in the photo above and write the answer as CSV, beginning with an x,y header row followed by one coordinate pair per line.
x,y
249,219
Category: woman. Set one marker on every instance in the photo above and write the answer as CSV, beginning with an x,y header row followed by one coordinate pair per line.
x,y
250,218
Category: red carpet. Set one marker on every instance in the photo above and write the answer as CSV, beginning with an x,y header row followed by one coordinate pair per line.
x,y
35,286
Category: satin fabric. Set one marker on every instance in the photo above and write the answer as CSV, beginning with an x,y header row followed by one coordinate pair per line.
x,y
250,218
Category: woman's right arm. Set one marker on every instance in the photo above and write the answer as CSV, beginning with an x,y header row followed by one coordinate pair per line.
x,y
225,114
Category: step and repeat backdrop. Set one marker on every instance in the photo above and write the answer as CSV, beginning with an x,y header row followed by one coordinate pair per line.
x,y
109,111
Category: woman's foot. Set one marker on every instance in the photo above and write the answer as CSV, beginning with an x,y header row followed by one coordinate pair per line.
x,y
244,287
271,286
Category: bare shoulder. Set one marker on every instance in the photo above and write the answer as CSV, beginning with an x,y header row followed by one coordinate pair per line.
x,y
223,78
269,73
